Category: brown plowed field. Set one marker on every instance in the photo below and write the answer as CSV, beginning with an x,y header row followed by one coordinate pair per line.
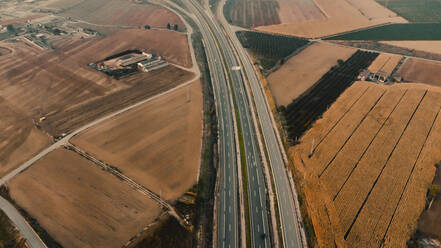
x,y
421,71
59,84
119,12
293,11
80,205
372,156
157,144
19,139
385,62
341,16
302,71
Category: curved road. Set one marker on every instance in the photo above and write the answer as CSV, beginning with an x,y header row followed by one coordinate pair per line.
x,y
26,231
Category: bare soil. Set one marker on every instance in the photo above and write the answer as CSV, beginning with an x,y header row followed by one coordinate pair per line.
x,y
79,204
421,71
59,84
119,12
368,163
302,71
426,46
157,145
293,11
341,16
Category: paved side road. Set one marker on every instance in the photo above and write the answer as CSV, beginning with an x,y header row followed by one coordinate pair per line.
x,y
23,227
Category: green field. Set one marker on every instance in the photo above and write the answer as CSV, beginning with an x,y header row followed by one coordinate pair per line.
x,y
415,10
270,49
413,31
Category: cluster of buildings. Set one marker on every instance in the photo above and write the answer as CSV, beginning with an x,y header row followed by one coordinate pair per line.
x,y
130,62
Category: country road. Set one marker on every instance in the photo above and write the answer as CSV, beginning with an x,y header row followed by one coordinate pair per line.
x,y
26,231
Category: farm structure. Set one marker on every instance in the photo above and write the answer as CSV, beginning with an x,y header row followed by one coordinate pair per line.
x,y
383,66
129,62
303,70
367,164
88,207
333,17
304,110
421,71
158,144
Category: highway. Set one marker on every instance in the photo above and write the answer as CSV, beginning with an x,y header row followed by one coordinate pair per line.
x,y
235,55
292,234
216,41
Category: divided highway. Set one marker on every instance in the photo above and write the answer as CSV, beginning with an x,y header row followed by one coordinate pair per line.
x,y
292,234
234,55
216,43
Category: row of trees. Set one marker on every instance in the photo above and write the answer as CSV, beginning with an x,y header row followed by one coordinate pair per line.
x,y
169,26
303,111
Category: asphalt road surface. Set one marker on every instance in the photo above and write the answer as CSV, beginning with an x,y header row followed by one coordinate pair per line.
x,y
227,41
23,227
216,40
290,228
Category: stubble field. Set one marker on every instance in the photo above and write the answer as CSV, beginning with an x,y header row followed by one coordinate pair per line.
x,y
385,62
302,71
157,144
341,16
421,71
79,204
369,162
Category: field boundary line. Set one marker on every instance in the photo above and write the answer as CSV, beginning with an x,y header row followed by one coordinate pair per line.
x,y
384,166
410,175
338,121
370,143
352,133
140,188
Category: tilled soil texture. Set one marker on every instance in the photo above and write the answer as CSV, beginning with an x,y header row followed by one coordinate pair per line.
x,y
421,71
157,144
79,204
117,12
60,85
369,162
302,71
341,16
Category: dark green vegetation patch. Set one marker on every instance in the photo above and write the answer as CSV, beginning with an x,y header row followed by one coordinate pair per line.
x,y
413,31
269,49
415,10
304,110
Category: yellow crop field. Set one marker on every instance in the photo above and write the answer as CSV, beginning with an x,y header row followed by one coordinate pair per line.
x,y
373,155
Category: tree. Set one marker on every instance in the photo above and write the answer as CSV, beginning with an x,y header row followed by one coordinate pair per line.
x,y
175,27
10,28
168,25
434,190
147,27
340,62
